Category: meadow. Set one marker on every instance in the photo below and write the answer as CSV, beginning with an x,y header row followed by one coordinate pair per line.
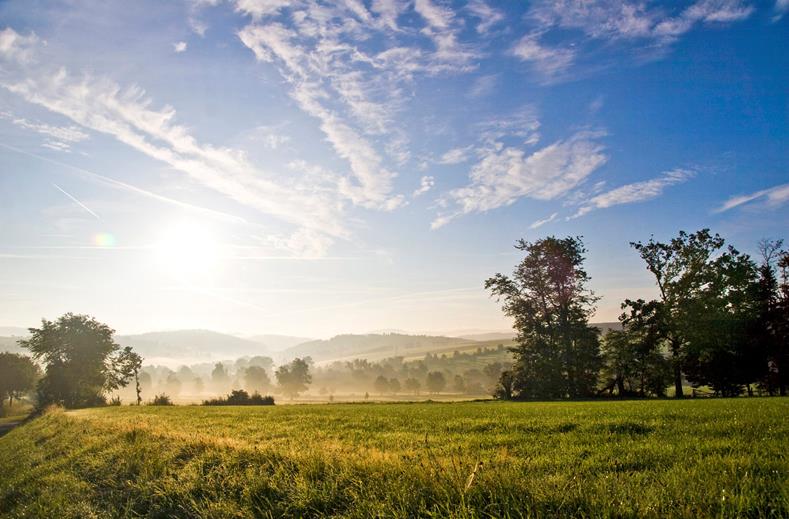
x,y
658,458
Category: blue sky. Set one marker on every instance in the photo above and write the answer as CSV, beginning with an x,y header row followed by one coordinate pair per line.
x,y
308,168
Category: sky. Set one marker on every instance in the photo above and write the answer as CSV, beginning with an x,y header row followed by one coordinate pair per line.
x,y
315,168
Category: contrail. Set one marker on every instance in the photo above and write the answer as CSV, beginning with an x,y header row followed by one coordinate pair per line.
x,y
74,199
128,187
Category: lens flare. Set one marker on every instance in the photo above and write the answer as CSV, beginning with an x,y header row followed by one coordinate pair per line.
x,y
104,239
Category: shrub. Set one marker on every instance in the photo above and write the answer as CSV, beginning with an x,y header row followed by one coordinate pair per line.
x,y
161,400
116,400
241,397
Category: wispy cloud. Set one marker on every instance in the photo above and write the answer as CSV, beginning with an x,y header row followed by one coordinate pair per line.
x,y
483,86
126,114
654,27
456,155
635,192
550,62
488,16
540,223
179,47
426,183
506,174
58,137
773,197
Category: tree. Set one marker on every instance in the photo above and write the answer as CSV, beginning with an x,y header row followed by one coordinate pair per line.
x,y
256,379
771,326
557,354
633,362
394,386
82,361
381,385
436,382
705,302
219,376
294,378
131,363
412,385
506,387
173,384
18,375
458,384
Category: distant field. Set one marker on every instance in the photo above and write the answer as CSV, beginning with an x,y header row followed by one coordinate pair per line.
x,y
699,458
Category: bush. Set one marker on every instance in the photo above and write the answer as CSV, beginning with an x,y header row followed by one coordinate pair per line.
x,y
116,400
161,400
241,397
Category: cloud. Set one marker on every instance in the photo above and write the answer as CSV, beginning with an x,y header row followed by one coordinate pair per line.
x,y
550,62
772,197
506,174
352,88
16,47
780,9
126,114
488,16
615,21
179,47
426,183
455,156
58,137
270,137
635,192
540,223
483,86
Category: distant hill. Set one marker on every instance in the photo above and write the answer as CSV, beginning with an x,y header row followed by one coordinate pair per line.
x,y
13,331
490,336
372,346
604,327
278,342
190,346
10,344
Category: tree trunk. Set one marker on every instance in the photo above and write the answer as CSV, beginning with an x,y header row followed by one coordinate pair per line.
x,y
620,386
677,381
677,369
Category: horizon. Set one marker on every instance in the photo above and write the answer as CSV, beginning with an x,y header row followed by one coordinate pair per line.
x,y
310,170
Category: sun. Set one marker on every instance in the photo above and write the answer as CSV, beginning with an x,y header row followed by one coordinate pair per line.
x,y
187,250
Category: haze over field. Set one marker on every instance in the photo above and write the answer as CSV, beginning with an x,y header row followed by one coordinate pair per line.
x,y
310,169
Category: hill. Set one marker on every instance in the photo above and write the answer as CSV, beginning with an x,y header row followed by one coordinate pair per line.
x,y
695,458
190,346
275,342
372,346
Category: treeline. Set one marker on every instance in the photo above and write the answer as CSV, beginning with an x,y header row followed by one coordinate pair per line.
x,y
472,372
720,322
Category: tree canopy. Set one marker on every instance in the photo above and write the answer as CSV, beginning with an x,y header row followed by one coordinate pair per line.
x,y
18,375
557,352
82,362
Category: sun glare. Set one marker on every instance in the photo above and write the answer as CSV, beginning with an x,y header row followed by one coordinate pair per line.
x,y
187,250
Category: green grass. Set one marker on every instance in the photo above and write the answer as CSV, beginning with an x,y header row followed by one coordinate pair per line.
x,y
702,458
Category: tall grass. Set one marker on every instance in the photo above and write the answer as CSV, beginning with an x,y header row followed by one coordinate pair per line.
x,y
713,458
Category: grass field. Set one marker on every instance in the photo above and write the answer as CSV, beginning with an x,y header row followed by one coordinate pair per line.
x,y
699,458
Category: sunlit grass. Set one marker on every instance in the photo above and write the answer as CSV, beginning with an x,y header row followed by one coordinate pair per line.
x,y
632,459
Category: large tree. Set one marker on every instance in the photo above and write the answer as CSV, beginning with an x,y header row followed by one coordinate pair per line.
x,y
770,330
703,310
557,354
18,375
82,362
294,378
